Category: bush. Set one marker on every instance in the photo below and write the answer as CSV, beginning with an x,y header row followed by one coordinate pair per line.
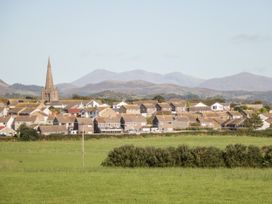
x,y
208,157
236,156
204,157
267,162
184,157
27,134
254,156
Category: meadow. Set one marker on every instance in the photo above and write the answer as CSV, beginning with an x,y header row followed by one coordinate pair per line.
x,y
51,172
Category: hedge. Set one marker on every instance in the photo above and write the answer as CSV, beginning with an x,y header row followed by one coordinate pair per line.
x,y
241,132
183,156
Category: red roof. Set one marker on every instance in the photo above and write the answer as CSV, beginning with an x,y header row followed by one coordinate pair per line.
x,y
74,110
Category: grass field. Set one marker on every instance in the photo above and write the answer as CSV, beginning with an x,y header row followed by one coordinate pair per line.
x,y
50,172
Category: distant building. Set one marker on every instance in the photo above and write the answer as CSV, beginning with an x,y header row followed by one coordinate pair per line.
x,y
49,92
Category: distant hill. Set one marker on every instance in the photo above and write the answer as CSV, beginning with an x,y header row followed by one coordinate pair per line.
x,y
244,81
104,75
25,89
136,87
4,87
139,88
243,86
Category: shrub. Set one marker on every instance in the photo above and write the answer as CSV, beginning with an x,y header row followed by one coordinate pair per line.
x,y
184,157
209,157
204,157
27,134
267,161
254,156
236,156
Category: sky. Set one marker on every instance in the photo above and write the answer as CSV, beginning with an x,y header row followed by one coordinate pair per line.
x,y
205,39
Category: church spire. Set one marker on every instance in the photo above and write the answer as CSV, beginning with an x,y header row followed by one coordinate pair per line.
x,y
49,78
49,93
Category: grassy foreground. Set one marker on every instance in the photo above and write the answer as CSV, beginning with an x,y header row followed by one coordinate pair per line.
x,y
50,172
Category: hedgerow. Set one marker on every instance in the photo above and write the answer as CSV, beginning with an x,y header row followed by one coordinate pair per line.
x,y
183,156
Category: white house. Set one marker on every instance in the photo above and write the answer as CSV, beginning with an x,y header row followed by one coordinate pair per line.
x,y
220,107
200,104
6,121
3,111
95,104
117,106
5,131
265,123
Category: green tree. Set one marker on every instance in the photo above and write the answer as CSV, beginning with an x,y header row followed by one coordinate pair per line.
x,y
253,122
159,98
27,134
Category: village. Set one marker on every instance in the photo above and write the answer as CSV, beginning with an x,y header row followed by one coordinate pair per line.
x,y
52,115
141,116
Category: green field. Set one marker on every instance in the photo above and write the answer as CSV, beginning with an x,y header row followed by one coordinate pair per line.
x,y
51,172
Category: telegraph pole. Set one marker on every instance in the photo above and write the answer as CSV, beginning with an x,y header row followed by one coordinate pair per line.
x,y
83,147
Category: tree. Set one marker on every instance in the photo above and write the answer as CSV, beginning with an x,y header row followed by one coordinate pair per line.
x,y
159,98
27,134
253,122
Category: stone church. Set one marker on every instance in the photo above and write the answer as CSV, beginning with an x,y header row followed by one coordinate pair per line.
x,y
49,92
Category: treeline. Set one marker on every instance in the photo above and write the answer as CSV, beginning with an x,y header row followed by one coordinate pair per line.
x,y
232,156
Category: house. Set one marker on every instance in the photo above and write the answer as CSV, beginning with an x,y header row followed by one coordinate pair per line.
x,y
56,104
52,129
107,125
6,131
247,113
50,119
218,116
220,107
3,111
130,109
93,104
27,111
234,124
41,117
234,115
208,123
178,106
162,107
147,109
27,120
266,123
7,121
198,107
15,111
132,123
117,106
163,123
83,125
67,121
139,102
46,110
191,117
74,111
107,112
181,122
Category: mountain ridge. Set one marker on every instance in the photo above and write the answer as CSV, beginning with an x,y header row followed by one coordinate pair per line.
x,y
100,75
244,81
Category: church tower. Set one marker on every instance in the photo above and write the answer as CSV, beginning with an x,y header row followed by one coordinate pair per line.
x,y
49,92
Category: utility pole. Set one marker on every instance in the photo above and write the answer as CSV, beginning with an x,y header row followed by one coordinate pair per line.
x,y
83,147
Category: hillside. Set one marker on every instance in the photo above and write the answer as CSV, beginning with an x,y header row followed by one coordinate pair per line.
x,y
244,81
104,75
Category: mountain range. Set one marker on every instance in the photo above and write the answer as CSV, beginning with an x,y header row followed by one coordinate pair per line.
x,y
100,75
141,83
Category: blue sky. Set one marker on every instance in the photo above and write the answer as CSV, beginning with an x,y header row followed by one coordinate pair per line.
x,y
206,39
